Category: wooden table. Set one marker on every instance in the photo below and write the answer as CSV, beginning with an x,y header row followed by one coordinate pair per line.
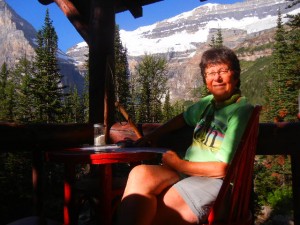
x,y
104,156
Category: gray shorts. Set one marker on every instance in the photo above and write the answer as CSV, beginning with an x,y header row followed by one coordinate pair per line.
x,y
199,193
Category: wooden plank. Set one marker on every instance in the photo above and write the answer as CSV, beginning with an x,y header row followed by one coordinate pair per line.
x,y
75,17
278,138
101,48
18,137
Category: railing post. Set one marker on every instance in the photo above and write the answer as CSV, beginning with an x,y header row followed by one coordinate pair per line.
x,y
295,159
38,184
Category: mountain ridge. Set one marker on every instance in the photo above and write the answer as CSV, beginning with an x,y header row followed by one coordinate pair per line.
x,y
17,40
179,33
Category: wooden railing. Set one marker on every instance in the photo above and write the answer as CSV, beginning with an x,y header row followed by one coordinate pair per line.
x,y
273,139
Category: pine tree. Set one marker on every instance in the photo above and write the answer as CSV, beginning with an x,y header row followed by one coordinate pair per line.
x,y
151,80
219,39
293,81
85,96
23,73
4,112
121,78
74,107
167,108
276,89
48,89
212,41
284,89
3,78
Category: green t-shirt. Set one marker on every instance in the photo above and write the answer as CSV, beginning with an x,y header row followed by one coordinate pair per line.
x,y
224,133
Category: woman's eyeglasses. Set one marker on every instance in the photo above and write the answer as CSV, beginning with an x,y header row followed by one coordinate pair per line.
x,y
221,72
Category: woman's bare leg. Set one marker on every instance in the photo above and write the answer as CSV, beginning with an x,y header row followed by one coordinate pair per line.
x,y
172,209
139,202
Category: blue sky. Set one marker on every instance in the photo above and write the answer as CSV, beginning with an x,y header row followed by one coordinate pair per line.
x,y
34,13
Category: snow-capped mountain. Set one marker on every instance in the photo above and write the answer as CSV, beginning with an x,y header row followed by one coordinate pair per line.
x,y
185,31
183,38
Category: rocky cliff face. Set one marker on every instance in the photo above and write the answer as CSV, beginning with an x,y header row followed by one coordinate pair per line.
x,y
14,43
17,39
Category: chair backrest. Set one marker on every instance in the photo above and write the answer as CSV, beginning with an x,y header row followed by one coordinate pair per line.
x,y
233,201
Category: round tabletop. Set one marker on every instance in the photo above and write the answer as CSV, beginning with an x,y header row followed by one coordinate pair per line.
x,y
107,154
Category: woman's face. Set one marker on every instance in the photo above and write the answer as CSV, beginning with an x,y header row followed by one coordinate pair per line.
x,y
220,81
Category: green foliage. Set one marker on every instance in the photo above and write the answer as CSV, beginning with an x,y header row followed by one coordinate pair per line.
x,y
167,108
23,73
16,186
121,78
218,41
254,77
46,82
85,98
178,107
281,200
150,88
252,49
74,109
5,88
273,184
282,91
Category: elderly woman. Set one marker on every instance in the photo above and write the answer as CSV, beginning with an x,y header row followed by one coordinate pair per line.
x,y
182,191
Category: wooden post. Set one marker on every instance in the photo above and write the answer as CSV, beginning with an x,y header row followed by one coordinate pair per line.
x,y
101,48
38,184
295,159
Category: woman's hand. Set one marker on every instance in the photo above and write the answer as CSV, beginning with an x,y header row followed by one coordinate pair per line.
x,y
148,140
171,159
143,142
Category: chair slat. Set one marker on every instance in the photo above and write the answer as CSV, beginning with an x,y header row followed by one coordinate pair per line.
x,y
238,180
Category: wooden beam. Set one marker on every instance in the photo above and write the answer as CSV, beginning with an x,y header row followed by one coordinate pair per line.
x,y
101,55
45,2
273,139
133,5
18,137
75,17
135,9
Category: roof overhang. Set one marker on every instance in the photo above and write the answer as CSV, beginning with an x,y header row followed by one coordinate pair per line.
x,y
134,6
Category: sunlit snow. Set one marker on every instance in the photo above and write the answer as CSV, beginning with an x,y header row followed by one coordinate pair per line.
x,y
182,41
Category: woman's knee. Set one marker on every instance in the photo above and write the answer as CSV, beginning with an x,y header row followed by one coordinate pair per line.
x,y
140,173
141,178
151,178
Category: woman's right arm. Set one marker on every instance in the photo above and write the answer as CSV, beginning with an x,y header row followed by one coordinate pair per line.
x,y
174,124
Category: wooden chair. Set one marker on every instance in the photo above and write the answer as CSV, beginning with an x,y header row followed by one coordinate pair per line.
x,y
232,205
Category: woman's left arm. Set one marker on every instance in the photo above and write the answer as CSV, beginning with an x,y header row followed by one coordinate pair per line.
x,y
208,169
